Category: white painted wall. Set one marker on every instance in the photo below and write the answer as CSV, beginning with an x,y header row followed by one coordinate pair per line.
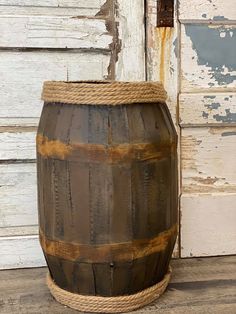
x,y
34,42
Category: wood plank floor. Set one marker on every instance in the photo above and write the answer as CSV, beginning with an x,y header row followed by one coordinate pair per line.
x,y
200,285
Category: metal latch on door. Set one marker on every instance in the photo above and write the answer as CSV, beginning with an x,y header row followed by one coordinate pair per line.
x,y
165,13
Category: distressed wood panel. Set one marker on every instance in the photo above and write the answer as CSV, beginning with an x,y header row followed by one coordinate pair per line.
x,y
18,195
17,145
21,251
208,224
162,56
54,3
130,65
53,32
19,231
20,93
205,10
19,122
208,160
48,11
208,58
207,109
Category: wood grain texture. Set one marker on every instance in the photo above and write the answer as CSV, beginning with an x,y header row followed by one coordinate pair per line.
x,y
19,231
207,11
208,224
18,145
20,251
54,3
53,32
208,157
216,109
18,195
32,68
130,65
208,60
162,55
200,285
74,9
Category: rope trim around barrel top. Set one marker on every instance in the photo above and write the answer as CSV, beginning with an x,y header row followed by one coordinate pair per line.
x,y
98,304
103,92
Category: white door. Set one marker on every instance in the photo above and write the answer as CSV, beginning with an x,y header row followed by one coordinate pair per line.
x,y
51,40
207,106
196,61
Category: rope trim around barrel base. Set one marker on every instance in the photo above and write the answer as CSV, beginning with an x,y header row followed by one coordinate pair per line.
x,y
103,92
98,304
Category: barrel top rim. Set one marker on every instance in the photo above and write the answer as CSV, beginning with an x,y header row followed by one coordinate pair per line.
x,y
103,92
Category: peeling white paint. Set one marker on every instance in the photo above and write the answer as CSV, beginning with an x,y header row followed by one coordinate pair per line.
x,y
203,10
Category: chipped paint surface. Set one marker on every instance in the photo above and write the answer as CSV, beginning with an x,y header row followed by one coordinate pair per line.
x,y
202,109
208,57
207,115
162,52
208,160
213,10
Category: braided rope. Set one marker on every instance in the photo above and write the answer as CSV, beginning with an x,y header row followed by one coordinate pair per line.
x,y
98,304
103,92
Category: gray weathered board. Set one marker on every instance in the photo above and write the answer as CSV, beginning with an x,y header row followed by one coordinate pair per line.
x,y
51,40
198,286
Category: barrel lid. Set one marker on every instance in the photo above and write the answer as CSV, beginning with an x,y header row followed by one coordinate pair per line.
x,y
103,92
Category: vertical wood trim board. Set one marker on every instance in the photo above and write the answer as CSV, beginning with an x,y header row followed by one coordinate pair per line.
x,y
162,50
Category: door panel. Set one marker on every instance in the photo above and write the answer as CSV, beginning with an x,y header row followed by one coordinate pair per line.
x,y
207,116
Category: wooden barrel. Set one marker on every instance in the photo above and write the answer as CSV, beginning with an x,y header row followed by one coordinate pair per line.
x,y
107,186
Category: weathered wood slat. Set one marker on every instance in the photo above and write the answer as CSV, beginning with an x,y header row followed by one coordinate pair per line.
x,y
216,11
54,32
18,195
163,55
19,231
132,38
54,3
32,68
215,109
20,251
208,160
208,224
17,145
208,58
72,12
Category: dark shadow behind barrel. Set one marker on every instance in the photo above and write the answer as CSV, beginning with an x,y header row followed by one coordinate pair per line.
x,y
107,195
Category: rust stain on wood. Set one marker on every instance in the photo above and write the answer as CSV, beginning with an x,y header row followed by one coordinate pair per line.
x,y
114,252
102,153
50,148
164,40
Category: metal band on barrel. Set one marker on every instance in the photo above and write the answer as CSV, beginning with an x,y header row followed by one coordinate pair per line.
x,y
112,252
